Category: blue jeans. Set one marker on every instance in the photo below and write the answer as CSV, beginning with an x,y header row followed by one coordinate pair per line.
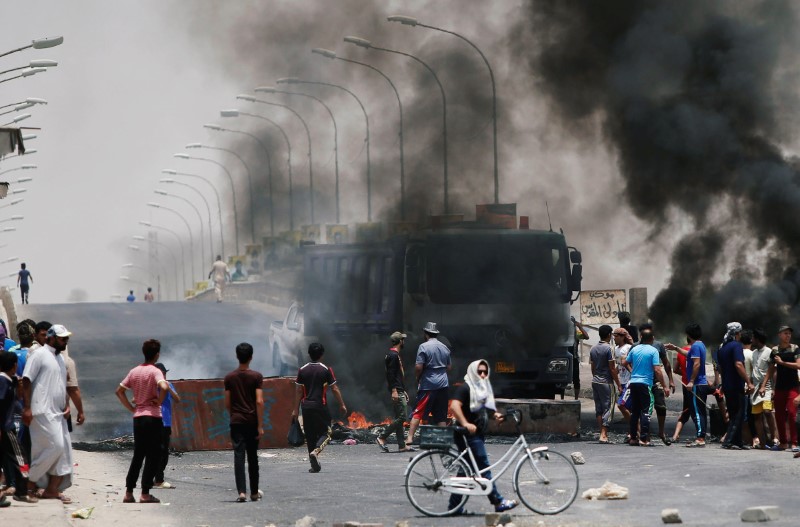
x,y
476,444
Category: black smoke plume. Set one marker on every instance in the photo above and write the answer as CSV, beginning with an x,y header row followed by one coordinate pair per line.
x,y
696,99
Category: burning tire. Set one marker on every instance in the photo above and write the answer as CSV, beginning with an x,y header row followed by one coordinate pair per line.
x,y
424,477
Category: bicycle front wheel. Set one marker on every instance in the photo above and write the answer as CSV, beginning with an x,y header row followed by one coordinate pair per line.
x,y
424,477
546,481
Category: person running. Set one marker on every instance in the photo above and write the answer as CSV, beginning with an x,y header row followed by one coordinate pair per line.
x,y
312,383
244,400
762,396
604,376
730,358
220,275
46,407
645,364
149,391
785,364
472,406
24,279
166,420
393,364
696,381
431,367
12,460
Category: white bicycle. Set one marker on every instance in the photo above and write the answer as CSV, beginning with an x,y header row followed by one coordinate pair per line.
x,y
545,480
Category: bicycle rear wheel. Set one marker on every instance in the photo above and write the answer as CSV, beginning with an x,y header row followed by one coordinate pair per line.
x,y
424,478
548,484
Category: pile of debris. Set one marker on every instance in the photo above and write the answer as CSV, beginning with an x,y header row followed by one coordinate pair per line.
x,y
106,445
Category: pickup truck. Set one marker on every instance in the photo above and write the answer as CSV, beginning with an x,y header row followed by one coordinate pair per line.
x,y
288,341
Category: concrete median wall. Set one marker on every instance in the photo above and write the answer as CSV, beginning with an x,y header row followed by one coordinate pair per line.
x,y
539,416
201,422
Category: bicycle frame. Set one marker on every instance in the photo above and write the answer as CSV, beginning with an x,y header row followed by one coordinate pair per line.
x,y
476,485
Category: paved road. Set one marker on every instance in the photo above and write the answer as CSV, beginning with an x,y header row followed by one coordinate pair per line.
x,y
710,487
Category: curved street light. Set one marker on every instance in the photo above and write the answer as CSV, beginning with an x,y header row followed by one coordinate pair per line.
x,y
172,172
171,255
171,181
364,43
331,55
22,105
293,80
22,167
249,183
269,171
199,217
151,225
188,228
413,22
38,63
233,192
17,119
13,202
25,73
40,43
250,98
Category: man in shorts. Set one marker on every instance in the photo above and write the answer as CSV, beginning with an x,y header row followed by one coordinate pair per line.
x,y
604,373
762,396
432,365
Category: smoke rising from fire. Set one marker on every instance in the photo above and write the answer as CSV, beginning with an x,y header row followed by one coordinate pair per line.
x,y
696,98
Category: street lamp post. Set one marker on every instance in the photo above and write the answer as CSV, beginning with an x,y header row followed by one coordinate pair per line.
x,y
410,21
233,192
249,183
171,255
22,167
38,63
188,228
171,181
199,217
12,202
236,113
292,80
22,105
150,225
250,98
331,55
216,194
25,73
269,170
40,43
17,119
364,43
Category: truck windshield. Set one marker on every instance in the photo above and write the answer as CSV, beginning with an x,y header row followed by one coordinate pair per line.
x,y
497,268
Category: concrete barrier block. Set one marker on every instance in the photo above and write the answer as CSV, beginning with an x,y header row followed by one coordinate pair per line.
x,y
543,416
763,513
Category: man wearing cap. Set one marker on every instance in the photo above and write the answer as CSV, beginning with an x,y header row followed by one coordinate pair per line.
x,y
604,375
46,406
393,364
730,358
430,369
785,364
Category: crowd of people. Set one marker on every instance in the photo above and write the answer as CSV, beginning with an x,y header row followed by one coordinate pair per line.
x,y
757,387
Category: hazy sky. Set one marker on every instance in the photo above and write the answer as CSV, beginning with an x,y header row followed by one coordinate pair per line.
x,y
137,80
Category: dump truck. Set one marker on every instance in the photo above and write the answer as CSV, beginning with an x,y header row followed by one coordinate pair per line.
x,y
496,293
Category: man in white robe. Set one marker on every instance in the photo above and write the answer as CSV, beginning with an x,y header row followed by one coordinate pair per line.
x,y
44,384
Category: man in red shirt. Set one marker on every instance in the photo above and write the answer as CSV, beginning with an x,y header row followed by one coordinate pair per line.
x,y
149,390
244,400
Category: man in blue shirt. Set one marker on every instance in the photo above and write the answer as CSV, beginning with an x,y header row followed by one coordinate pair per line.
x,y
430,369
166,419
644,361
697,383
22,282
730,358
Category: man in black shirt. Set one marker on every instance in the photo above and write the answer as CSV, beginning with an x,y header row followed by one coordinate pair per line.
x,y
313,380
397,388
625,323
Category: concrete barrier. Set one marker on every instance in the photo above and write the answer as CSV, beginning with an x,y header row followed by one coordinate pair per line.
x,y
539,416
8,312
201,422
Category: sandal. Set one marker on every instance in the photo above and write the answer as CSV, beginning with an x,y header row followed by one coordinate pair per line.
x,y
128,499
241,499
382,446
257,496
66,500
151,499
24,498
695,444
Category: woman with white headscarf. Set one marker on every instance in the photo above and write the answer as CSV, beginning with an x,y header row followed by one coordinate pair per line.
x,y
472,406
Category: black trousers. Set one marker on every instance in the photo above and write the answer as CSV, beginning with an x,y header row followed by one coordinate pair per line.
x,y
147,450
13,463
317,427
734,401
243,437
166,434
641,408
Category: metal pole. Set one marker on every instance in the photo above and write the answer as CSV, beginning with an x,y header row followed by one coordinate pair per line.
x,y
208,209
249,188
233,197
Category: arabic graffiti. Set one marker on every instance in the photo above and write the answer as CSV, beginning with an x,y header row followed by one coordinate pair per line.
x,y
601,307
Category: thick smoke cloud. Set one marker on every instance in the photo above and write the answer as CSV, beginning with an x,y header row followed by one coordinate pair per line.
x,y
695,98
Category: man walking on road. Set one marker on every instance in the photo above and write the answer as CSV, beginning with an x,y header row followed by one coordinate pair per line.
x,y
659,392
46,407
762,396
220,275
785,363
313,380
432,364
397,388
645,364
149,390
244,400
734,377
604,375
23,277
697,383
